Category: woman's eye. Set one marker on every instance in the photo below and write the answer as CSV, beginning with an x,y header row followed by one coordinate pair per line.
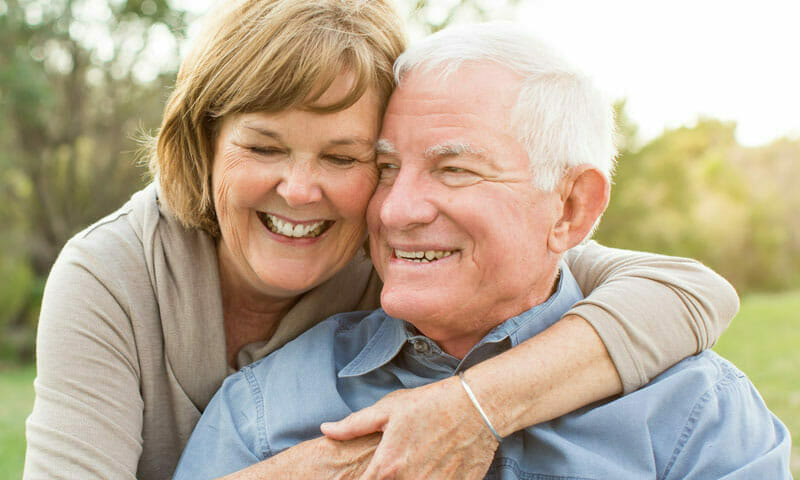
x,y
265,150
341,160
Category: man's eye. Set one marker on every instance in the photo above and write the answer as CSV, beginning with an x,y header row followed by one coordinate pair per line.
x,y
458,177
387,170
387,166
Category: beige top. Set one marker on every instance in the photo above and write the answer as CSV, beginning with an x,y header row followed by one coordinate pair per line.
x,y
131,347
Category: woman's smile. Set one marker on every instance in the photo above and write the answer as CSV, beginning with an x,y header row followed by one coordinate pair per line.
x,y
294,229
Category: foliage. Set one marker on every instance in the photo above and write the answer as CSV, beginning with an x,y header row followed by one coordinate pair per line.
x,y
19,307
79,78
694,191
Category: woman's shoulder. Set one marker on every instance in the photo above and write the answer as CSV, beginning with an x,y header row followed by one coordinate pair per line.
x,y
138,234
107,242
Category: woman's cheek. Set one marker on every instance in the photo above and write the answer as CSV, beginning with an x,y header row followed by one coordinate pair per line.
x,y
362,189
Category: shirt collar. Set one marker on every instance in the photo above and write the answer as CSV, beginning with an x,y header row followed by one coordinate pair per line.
x,y
392,334
381,347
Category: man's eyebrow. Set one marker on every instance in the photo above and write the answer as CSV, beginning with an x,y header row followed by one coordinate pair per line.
x,y
385,147
453,149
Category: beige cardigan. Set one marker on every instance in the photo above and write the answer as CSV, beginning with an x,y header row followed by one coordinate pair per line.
x,y
131,348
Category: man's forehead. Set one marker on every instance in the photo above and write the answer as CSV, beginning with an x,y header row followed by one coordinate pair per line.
x,y
472,83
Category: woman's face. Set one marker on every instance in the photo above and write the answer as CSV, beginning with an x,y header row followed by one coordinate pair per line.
x,y
291,190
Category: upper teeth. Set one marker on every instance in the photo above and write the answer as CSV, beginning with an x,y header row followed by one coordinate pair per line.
x,y
295,230
423,255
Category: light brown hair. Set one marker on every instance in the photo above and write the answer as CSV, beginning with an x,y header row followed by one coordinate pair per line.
x,y
265,56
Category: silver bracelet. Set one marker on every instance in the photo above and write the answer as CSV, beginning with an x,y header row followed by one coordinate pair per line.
x,y
478,407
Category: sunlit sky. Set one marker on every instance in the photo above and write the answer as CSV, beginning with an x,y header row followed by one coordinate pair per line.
x,y
677,60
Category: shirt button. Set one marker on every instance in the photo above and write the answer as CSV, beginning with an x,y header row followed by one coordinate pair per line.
x,y
421,347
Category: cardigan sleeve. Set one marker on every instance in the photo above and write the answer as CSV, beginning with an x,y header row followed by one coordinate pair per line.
x,y
88,412
650,311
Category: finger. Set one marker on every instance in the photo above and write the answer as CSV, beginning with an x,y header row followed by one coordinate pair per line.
x,y
358,424
383,465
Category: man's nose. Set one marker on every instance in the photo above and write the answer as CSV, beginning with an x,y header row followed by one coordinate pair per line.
x,y
408,203
299,184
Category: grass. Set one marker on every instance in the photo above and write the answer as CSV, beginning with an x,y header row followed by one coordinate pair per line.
x,y
762,341
16,401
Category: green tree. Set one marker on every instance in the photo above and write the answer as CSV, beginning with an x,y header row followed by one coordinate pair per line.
x,y
694,191
78,78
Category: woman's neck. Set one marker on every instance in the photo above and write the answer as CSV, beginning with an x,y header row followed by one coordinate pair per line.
x,y
248,315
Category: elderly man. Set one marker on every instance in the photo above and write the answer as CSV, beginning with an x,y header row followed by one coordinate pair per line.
x,y
494,160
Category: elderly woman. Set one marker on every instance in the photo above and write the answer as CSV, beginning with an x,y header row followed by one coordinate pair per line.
x,y
252,232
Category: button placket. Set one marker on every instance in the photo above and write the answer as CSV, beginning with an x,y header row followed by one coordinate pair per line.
x,y
421,346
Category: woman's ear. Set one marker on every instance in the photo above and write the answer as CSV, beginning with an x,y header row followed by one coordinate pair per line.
x,y
584,194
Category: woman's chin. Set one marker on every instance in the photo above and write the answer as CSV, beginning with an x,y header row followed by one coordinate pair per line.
x,y
289,281
286,288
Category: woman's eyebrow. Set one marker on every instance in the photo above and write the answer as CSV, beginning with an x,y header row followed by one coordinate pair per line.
x,y
264,131
352,141
355,140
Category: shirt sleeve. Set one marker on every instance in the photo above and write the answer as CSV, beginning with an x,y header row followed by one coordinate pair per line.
x,y
87,416
228,436
651,311
731,434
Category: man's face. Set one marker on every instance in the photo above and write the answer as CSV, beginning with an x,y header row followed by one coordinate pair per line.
x,y
457,232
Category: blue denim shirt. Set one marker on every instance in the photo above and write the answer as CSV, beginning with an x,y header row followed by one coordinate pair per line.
x,y
701,419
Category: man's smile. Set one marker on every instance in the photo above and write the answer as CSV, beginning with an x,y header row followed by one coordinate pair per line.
x,y
422,256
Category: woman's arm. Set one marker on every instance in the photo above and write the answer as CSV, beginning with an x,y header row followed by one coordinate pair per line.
x,y
87,416
651,311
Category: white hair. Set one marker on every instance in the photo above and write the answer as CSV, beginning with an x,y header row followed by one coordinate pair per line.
x,y
560,118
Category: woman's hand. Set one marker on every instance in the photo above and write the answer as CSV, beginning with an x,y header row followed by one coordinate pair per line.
x,y
429,432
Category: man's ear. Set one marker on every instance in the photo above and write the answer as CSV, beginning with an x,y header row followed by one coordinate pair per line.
x,y
584,194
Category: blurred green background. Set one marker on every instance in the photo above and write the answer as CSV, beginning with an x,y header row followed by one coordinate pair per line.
x,y
80,81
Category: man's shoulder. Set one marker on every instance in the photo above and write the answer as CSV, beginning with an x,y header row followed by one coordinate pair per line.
x,y
698,388
694,417
704,372
689,383
725,425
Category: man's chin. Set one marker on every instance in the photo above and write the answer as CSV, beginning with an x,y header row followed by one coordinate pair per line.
x,y
415,307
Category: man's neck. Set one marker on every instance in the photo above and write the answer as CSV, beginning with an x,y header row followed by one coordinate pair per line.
x,y
458,344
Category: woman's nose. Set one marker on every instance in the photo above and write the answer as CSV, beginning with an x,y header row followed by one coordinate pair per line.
x,y
300,184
